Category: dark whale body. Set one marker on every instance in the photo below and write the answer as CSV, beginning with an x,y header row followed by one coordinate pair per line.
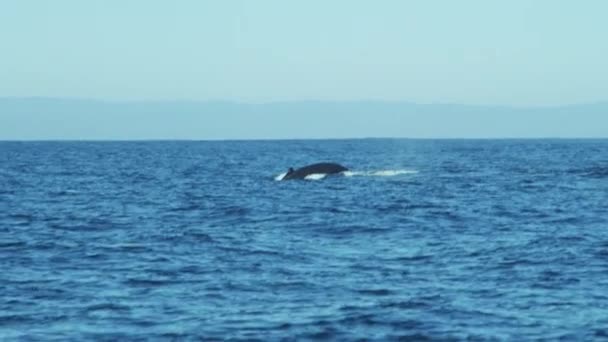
x,y
324,168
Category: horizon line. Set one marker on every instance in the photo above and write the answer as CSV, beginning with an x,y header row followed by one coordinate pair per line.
x,y
288,139
300,101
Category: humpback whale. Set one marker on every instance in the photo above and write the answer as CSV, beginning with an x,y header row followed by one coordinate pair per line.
x,y
319,168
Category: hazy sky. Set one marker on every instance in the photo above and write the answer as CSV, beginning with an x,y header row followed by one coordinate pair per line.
x,y
516,52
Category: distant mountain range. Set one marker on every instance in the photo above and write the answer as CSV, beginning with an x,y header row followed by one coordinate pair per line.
x,y
72,119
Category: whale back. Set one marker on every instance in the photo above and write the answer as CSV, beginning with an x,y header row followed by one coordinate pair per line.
x,y
324,168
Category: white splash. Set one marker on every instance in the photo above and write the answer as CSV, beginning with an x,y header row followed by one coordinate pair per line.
x,y
390,173
352,173
380,173
315,176
280,176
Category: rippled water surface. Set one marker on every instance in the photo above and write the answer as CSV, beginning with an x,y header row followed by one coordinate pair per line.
x,y
198,241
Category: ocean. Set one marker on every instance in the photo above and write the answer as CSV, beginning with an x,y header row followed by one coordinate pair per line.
x,y
189,240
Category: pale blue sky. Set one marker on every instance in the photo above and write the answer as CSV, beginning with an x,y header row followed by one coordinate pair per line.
x,y
516,52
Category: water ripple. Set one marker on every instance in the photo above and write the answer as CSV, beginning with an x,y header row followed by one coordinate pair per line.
x,y
489,240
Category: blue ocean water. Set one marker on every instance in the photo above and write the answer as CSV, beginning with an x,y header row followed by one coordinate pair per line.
x,y
424,239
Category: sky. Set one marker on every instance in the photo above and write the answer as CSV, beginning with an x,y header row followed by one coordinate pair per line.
x,y
480,52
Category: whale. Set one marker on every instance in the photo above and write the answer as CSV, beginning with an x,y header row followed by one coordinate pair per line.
x,y
319,168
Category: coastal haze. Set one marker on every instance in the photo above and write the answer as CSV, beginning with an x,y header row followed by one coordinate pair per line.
x,y
105,70
56,119
477,52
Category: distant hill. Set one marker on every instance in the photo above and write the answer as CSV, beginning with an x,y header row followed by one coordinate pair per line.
x,y
51,119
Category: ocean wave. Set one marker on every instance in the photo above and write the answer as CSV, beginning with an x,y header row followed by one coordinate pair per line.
x,y
378,252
